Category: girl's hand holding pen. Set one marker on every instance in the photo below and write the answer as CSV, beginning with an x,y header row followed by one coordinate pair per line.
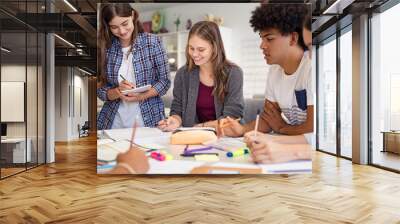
x,y
125,85
130,97
115,93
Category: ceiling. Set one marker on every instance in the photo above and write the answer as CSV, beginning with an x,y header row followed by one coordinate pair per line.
x,y
79,27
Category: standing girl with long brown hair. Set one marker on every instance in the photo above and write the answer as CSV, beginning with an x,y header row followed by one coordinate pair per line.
x,y
129,58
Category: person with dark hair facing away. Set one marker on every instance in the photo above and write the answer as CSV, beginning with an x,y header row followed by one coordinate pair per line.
x,y
209,86
129,58
288,107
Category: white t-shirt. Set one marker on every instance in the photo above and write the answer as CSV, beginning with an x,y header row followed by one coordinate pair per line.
x,y
282,88
127,111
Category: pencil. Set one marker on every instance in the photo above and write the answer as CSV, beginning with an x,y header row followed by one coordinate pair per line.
x,y
257,120
226,125
133,131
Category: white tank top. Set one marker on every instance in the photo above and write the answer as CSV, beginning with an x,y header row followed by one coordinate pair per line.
x,y
127,111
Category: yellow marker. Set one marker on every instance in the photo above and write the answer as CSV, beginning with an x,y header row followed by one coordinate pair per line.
x,y
238,152
169,157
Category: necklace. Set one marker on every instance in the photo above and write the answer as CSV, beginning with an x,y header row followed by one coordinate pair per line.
x,y
126,54
129,68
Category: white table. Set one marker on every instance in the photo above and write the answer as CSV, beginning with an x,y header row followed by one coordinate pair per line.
x,y
17,147
184,165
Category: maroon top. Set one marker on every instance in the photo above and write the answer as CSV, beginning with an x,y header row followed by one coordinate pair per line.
x,y
205,107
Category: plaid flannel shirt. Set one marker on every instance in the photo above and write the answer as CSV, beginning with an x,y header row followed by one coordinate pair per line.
x,y
150,66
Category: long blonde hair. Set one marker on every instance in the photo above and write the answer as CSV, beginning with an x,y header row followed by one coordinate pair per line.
x,y
209,32
107,13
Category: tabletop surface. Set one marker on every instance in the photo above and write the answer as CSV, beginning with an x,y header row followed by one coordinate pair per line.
x,y
112,142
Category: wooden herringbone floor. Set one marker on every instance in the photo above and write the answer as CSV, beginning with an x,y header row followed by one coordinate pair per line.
x,y
70,191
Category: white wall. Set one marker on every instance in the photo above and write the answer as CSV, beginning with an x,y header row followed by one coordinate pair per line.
x,y
15,73
34,124
245,49
67,112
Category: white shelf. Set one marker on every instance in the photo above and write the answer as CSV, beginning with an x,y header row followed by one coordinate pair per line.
x,y
175,43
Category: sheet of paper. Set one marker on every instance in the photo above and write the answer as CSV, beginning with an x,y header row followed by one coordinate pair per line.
x,y
227,144
206,158
104,141
298,166
158,143
173,166
142,132
216,171
109,151
236,165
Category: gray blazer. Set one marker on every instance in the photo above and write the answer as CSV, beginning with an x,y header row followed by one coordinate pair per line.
x,y
186,88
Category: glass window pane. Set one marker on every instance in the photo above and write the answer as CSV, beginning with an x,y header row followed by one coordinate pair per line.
x,y
41,99
13,86
346,94
385,84
31,97
327,96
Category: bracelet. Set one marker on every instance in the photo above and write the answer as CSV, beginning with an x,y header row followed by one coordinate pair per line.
x,y
126,166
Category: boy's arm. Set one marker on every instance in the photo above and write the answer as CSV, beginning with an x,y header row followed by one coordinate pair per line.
x,y
306,127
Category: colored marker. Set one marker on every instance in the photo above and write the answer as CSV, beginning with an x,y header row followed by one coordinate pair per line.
x,y
238,152
157,156
169,157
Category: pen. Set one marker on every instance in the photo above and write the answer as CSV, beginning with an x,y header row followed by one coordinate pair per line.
x,y
195,154
125,79
122,77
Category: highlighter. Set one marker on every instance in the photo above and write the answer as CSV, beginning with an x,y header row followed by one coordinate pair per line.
x,y
157,156
238,152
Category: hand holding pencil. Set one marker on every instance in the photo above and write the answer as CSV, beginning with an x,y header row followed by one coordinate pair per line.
x,y
133,161
229,127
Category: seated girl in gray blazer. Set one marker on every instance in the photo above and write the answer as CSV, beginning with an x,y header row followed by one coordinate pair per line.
x,y
208,87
